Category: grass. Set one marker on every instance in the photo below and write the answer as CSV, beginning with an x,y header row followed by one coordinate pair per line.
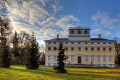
x,y
19,72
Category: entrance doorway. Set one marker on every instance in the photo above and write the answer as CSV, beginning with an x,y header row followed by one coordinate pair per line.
x,y
79,59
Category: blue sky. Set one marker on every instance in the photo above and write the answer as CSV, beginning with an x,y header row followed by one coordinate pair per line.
x,y
50,17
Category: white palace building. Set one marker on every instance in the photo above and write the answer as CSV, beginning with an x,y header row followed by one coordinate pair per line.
x,y
81,49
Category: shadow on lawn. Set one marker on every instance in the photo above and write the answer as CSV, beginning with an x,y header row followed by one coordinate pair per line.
x,y
46,72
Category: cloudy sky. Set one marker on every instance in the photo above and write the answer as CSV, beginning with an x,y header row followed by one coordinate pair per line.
x,y
50,17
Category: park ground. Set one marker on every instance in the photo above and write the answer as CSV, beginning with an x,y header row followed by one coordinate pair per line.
x,y
19,72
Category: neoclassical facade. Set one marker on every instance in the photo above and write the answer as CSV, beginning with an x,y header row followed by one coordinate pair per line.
x,y
81,49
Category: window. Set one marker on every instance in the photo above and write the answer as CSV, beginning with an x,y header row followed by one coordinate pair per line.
x,y
92,49
66,42
109,42
104,58
86,49
79,48
104,43
110,59
55,58
98,42
72,48
85,31
49,58
78,32
72,43
91,42
110,49
92,58
54,48
66,48
104,49
86,43
78,42
86,58
54,42
98,58
66,60
98,49
49,48
72,58
72,32
49,42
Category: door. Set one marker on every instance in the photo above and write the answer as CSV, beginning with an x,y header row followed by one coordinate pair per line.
x,y
79,59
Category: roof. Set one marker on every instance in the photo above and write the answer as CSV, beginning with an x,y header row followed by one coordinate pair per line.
x,y
91,39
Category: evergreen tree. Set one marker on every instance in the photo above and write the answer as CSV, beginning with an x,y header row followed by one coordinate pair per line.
x,y
5,56
31,54
60,59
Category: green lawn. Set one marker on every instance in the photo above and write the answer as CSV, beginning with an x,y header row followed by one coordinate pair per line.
x,y
19,72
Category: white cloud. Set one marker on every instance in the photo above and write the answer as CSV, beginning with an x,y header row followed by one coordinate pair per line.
x,y
101,31
40,16
102,19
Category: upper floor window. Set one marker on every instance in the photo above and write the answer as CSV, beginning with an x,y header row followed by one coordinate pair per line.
x,y
104,49
103,42
66,48
98,42
86,48
78,42
91,42
66,42
86,43
49,42
110,49
79,48
98,49
49,48
72,48
79,32
92,49
72,42
109,42
54,48
72,32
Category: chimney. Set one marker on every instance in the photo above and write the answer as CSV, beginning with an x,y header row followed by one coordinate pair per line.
x,y
57,36
99,35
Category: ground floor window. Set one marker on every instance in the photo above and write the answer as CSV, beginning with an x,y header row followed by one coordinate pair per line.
x,y
110,59
49,58
98,58
86,58
66,60
72,58
92,59
55,58
104,58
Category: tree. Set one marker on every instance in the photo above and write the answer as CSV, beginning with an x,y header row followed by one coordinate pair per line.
x,y
60,59
31,54
117,41
5,31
